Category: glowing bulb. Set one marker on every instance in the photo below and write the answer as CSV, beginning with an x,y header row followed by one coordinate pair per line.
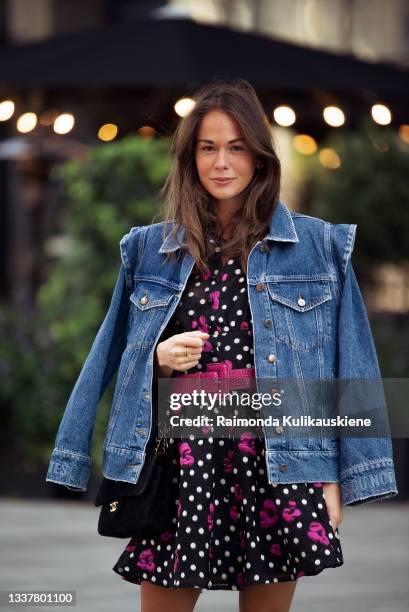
x,y
184,106
107,132
6,109
284,115
305,144
404,132
64,123
48,117
333,116
329,159
146,131
381,114
26,122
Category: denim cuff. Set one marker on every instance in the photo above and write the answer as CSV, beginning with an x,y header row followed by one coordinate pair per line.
x,y
69,469
368,482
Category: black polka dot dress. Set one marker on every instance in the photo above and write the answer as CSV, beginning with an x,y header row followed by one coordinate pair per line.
x,y
231,528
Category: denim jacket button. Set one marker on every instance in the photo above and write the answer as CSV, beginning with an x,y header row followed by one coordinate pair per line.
x,y
279,429
301,302
265,248
272,358
260,287
144,299
267,322
283,467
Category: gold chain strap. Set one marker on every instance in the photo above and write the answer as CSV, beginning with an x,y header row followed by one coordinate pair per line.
x,y
165,443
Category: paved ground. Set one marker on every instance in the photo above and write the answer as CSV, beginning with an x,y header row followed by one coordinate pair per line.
x,y
55,545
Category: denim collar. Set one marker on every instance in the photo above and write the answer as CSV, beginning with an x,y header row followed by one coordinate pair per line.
x,y
281,229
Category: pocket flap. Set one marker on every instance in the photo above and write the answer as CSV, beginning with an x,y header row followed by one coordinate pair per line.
x,y
300,295
149,295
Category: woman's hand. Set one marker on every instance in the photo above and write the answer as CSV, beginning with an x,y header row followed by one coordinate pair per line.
x,y
332,494
171,353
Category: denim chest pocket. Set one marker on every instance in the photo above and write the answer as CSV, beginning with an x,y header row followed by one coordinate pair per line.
x,y
302,312
150,304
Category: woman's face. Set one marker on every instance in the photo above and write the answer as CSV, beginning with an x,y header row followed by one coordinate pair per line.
x,y
222,152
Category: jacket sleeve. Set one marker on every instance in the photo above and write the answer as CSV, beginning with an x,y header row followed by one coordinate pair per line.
x,y
366,463
70,462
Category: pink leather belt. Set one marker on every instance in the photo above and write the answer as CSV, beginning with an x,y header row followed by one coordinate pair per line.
x,y
219,376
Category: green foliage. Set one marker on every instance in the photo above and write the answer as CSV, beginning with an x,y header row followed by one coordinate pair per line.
x,y
42,351
102,196
369,188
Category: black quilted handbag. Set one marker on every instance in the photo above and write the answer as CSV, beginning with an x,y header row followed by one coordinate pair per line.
x,y
141,509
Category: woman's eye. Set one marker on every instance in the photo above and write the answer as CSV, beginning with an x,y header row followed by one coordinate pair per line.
x,y
206,147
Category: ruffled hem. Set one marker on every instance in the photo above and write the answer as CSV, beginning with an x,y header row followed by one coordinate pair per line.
x,y
213,585
241,529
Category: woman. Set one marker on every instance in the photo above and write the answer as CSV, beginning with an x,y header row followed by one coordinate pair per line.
x,y
255,513
233,191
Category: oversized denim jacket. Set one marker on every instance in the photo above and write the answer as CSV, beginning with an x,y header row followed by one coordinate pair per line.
x,y
329,335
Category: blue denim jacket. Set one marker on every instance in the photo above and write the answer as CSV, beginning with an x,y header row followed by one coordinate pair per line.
x,y
326,334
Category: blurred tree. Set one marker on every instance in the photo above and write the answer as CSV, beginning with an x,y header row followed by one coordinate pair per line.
x,y
43,351
368,188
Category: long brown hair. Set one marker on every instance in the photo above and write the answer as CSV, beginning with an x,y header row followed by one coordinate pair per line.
x,y
187,202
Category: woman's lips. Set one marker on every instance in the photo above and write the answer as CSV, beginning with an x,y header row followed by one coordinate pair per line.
x,y
223,181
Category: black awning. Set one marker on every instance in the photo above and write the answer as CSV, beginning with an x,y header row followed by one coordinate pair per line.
x,y
178,52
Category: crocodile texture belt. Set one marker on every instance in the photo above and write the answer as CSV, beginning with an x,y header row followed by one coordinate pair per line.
x,y
219,376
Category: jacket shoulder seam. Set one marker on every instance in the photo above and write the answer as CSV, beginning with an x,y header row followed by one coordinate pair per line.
x,y
296,215
134,232
347,247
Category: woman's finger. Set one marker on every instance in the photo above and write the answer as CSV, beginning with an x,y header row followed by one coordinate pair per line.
x,y
190,353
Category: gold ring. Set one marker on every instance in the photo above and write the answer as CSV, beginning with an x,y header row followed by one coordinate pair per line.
x,y
187,352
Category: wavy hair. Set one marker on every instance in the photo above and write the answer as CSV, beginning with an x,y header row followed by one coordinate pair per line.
x,y
188,204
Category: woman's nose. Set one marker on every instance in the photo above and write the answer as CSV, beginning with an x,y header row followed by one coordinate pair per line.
x,y
220,160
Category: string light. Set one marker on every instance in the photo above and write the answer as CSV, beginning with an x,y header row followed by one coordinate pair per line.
x,y
146,131
184,106
334,116
381,114
329,158
64,123
26,122
48,117
6,110
107,132
284,115
404,132
305,144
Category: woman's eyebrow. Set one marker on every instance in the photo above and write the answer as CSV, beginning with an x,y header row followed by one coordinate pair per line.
x,y
211,141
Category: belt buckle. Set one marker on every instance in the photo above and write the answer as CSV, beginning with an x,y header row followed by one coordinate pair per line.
x,y
222,368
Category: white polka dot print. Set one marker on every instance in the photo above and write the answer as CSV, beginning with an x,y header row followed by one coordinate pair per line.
x,y
231,528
